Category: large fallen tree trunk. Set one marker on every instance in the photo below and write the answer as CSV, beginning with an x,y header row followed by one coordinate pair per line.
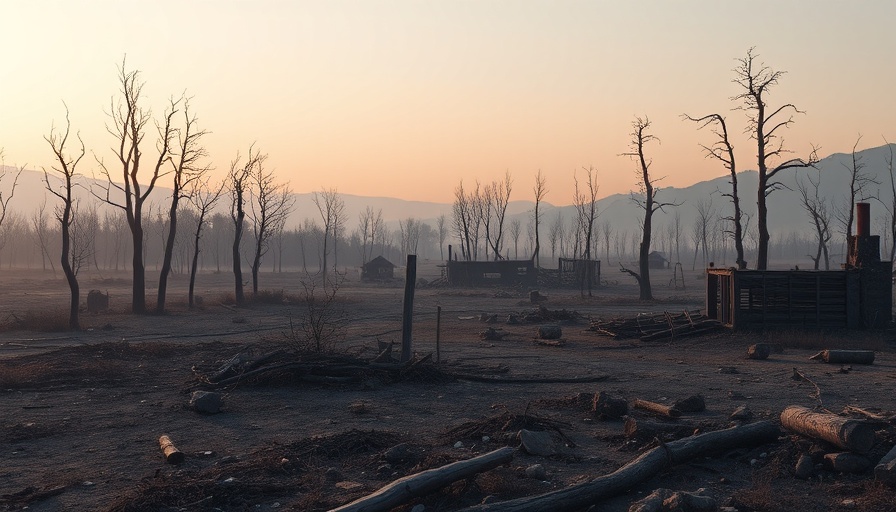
x,y
846,433
644,467
845,356
421,484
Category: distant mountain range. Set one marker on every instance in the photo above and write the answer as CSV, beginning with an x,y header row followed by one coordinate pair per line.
x,y
786,212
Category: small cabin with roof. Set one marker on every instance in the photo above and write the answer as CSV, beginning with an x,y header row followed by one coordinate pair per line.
x,y
378,269
656,259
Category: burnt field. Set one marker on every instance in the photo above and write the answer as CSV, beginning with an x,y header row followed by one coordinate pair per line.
x,y
299,428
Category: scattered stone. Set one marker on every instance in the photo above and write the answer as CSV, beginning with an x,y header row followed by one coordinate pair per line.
x,y
537,443
486,439
459,444
549,332
742,413
206,402
804,467
537,472
759,351
847,462
227,482
358,407
606,407
333,475
97,301
400,453
418,508
695,403
535,297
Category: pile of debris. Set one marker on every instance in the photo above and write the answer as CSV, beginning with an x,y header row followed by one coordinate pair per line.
x,y
542,314
655,327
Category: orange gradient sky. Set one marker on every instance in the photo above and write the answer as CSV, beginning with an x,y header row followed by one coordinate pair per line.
x,y
407,98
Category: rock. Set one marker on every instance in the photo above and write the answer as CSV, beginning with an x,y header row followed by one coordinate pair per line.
x,y
606,407
847,462
418,508
333,475
537,472
695,403
399,453
535,297
459,444
804,467
537,443
759,351
549,332
206,402
384,470
97,301
742,413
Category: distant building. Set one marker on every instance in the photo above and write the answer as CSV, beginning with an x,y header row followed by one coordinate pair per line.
x,y
656,259
378,269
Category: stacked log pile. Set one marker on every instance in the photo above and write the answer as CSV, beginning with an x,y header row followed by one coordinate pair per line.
x,y
656,327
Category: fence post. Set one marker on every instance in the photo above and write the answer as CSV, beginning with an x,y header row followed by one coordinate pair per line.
x,y
408,312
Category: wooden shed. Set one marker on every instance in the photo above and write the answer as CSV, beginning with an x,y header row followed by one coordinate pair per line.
x,y
656,259
378,269
492,273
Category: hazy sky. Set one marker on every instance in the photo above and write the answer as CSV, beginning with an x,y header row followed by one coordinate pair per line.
x,y
406,98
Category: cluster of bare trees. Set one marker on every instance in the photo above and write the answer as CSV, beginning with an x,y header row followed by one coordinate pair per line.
x,y
479,218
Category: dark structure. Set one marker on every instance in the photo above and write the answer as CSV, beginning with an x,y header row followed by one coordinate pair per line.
x,y
492,273
657,259
576,272
378,269
858,297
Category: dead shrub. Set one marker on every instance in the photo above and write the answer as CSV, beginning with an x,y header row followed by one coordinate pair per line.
x,y
323,319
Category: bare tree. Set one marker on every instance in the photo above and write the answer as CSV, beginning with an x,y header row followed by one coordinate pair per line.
x,y
493,202
128,122
67,170
203,198
891,171
555,234
705,214
39,231
816,206
186,169
676,229
5,199
330,206
239,180
756,80
585,201
723,151
271,204
442,229
646,200
85,223
607,232
859,180
409,230
370,222
516,229
540,189
465,220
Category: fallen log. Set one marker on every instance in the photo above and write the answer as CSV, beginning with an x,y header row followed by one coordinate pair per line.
x,y
650,463
845,356
172,454
420,484
645,430
662,410
849,434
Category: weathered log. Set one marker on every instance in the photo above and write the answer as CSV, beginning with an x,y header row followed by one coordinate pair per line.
x,y
172,454
662,410
847,462
420,484
885,471
606,407
549,332
645,430
639,470
849,434
845,356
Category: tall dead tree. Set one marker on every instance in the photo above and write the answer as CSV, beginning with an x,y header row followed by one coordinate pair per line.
x,y
442,229
585,201
186,168
39,231
756,80
463,211
370,223
540,190
723,151
816,206
203,198
128,124
271,204
646,200
891,171
496,199
331,208
239,181
67,170
859,180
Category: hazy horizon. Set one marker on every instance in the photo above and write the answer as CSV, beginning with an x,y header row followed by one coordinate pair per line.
x,y
406,99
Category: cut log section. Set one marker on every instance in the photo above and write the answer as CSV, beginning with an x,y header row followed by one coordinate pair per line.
x,y
845,356
849,434
885,471
420,484
172,454
644,430
650,463
660,409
